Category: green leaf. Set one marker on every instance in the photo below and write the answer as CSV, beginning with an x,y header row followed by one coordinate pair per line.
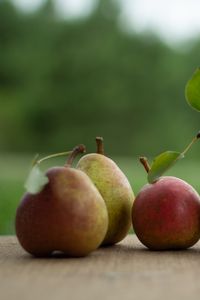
x,y
36,180
192,90
162,163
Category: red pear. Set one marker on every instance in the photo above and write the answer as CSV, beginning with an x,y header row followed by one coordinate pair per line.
x,y
166,214
68,215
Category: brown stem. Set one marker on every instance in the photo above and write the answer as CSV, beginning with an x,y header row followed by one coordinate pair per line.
x,y
100,146
78,149
144,162
35,161
191,143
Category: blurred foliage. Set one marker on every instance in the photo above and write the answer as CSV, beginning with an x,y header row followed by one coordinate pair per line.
x,y
62,82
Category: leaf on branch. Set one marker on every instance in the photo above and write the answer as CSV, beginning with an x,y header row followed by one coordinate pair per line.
x,y
162,163
192,90
36,180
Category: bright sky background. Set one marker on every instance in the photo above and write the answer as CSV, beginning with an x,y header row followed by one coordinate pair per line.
x,y
175,20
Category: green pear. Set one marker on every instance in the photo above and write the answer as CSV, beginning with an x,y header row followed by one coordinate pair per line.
x,y
115,190
67,215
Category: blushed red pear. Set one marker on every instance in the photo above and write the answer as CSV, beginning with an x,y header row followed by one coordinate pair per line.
x,y
166,214
68,215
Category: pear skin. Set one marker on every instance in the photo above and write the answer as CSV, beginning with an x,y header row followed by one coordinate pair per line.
x,y
68,215
166,214
116,191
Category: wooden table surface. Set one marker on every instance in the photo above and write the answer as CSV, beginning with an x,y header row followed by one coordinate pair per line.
x,y
124,271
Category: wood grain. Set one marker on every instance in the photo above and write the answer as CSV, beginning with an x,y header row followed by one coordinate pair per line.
x,y
125,271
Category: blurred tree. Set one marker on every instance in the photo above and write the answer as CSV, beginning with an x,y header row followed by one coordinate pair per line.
x,y
64,82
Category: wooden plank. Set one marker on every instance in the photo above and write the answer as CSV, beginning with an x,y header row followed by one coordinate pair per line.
x,y
125,271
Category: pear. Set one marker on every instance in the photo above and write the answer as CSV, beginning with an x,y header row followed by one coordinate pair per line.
x,y
67,215
115,190
166,214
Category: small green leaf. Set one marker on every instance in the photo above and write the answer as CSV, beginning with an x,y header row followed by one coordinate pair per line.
x,y
162,163
36,180
192,90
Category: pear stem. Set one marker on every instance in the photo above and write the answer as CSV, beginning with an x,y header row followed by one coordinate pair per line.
x,y
145,163
78,149
191,143
100,145
52,156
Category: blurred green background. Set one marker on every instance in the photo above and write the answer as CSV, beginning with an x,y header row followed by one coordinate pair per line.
x,y
64,81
